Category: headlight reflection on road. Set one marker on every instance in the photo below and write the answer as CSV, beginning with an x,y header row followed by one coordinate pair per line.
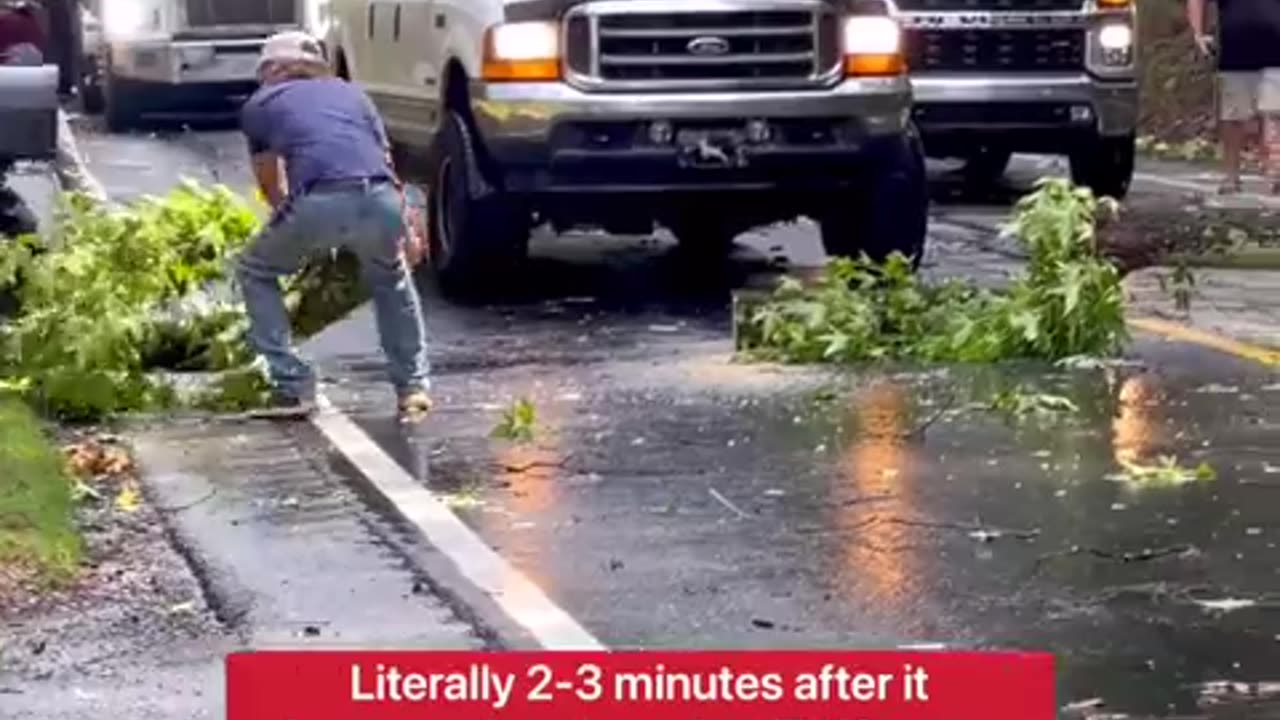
x,y
877,464
1136,429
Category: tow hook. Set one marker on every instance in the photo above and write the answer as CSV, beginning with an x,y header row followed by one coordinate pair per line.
x,y
707,151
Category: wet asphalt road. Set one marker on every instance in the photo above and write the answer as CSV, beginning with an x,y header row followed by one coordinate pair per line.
x,y
674,498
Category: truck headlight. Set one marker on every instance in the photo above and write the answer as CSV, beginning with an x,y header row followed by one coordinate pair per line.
x,y
522,51
872,46
121,18
1116,41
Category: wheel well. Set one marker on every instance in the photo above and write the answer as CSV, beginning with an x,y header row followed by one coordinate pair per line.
x,y
340,64
456,92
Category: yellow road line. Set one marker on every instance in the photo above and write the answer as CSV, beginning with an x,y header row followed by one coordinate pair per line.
x,y
1183,333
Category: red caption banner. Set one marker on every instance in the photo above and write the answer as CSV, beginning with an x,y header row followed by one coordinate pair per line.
x,y
643,685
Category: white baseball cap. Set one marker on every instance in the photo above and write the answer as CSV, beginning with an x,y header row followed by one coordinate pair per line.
x,y
292,46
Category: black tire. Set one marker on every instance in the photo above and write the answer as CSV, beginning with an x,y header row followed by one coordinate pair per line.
x,y
121,104
891,211
986,166
479,236
92,99
1105,165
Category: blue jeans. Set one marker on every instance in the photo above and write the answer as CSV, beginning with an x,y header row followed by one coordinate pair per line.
x,y
368,222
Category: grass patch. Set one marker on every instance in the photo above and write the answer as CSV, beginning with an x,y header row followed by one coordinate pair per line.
x,y
37,531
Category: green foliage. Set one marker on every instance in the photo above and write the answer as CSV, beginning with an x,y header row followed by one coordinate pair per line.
x,y
518,423
36,505
1068,302
237,390
1021,403
123,292
1180,283
112,299
1165,472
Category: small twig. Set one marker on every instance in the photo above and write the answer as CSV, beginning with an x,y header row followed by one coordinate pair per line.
x,y
867,499
919,431
518,468
993,532
725,502
187,506
1145,555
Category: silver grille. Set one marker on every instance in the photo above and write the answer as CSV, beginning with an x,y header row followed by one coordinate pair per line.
x,y
210,13
641,45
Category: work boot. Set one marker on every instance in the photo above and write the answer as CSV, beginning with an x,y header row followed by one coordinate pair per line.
x,y
415,406
283,406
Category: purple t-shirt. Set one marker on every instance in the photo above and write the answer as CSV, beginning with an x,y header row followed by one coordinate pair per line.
x,y
324,128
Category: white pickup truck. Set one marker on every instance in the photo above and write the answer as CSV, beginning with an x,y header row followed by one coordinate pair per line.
x,y
708,117
159,55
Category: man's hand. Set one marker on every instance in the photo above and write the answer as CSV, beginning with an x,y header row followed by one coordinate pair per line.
x,y
1206,44
415,243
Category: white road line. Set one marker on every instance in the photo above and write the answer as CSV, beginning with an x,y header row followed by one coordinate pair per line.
x,y
517,596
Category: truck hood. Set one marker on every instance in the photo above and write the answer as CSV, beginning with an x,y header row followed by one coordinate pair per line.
x,y
521,10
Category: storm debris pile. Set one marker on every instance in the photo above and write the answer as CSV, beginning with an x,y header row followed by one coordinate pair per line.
x,y
1069,302
122,299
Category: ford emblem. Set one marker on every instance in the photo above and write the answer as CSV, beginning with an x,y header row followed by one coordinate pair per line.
x,y
708,45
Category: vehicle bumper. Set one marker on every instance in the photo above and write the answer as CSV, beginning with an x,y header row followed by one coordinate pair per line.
x,y
1041,113
549,137
187,62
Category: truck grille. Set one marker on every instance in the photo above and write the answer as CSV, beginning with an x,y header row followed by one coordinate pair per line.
x,y
987,5
206,13
695,48
995,50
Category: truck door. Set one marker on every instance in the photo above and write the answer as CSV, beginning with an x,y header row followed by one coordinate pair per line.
x,y
372,49
418,84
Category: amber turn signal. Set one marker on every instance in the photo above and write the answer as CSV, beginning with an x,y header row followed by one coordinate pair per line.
x,y
521,70
879,65
1112,4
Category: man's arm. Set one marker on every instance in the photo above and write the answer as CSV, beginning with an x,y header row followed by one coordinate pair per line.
x,y
374,120
265,161
266,170
1195,18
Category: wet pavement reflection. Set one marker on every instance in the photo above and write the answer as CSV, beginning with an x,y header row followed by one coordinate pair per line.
x,y
673,498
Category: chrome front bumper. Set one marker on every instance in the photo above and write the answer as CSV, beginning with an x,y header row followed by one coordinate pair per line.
x,y
187,62
1112,104
518,120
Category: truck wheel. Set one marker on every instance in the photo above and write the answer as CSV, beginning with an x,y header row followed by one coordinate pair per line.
x,y
986,166
478,235
120,104
1105,164
890,214
92,99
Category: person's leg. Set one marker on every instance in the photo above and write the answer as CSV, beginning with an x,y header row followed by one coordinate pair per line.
x,y
376,240
274,254
1237,106
1269,110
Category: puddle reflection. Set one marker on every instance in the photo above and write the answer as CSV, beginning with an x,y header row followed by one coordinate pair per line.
x,y
877,463
1136,427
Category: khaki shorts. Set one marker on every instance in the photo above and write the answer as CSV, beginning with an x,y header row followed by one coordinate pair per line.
x,y
1244,95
